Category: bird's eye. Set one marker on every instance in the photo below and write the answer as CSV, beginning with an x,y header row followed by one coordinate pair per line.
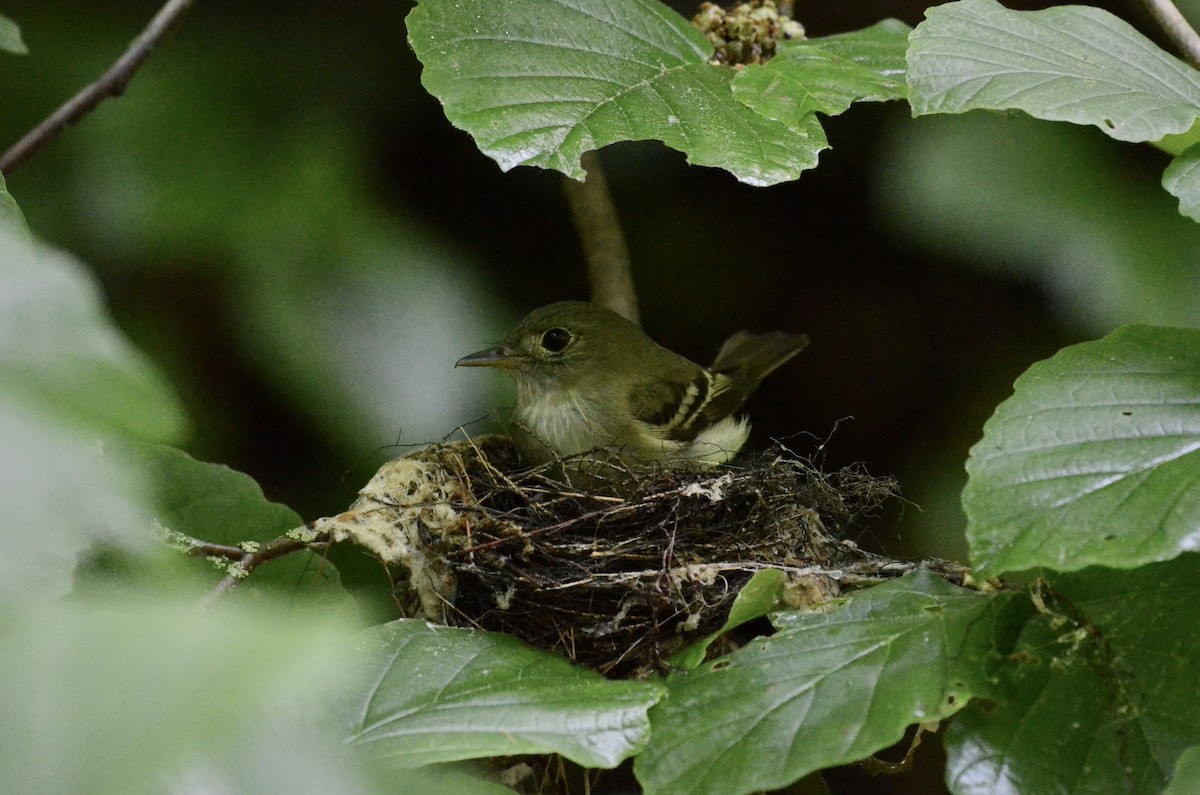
x,y
556,340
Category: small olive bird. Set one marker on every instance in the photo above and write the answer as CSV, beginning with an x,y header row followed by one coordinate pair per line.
x,y
590,380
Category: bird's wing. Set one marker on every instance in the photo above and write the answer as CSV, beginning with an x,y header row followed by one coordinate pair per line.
x,y
677,409
749,358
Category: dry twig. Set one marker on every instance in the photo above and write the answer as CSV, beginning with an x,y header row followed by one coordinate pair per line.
x,y
110,84
244,561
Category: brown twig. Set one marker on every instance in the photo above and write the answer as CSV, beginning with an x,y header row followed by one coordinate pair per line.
x,y
603,243
1177,28
110,84
244,561
198,548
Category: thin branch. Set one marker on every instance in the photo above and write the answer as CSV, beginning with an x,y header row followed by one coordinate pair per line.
x,y
111,84
206,549
245,562
1177,28
603,244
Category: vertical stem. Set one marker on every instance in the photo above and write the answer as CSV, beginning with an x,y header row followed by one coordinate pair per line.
x,y
603,243
1177,28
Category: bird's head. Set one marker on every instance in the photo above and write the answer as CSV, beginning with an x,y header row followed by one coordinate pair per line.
x,y
564,344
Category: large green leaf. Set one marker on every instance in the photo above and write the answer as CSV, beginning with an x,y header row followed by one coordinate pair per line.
x,y
434,694
827,74
1071,63
67,379
152,696
10,37
58,495
829,688
1182,180
540,82
1094,460
60,353
1100,696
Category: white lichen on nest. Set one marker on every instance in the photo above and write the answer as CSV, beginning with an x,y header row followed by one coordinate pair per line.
x,y
407,502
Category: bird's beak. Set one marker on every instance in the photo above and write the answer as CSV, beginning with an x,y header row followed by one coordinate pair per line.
x,y
492,357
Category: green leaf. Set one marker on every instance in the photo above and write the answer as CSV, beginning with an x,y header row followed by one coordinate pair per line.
x,y
67,379
219,505
1187,774
828,689
154,696
540,82
59,351
10,37
1177,143
827,74
1071,63
10,213
58,496
1182,180
1095,460
435,694
760,595
1101,700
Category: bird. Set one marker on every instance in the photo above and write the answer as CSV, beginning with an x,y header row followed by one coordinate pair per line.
x,y
591,382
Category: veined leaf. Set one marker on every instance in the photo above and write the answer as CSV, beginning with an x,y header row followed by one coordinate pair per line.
x,y
1095,460
828,689
437,694
1070,63
1096,698
828,74
540,82
760,595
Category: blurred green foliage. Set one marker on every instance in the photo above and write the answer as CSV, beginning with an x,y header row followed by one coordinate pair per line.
x,y
244,174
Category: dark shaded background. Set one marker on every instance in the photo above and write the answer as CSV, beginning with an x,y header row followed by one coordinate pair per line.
x,y
284,220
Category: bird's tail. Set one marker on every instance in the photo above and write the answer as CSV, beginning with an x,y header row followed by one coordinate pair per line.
x,y
749,358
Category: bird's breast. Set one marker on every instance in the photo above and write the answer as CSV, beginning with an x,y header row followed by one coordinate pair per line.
x,y
560,425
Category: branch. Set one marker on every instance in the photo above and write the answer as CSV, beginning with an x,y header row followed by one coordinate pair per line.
x,y
603,244
1177,28
244,561
111,84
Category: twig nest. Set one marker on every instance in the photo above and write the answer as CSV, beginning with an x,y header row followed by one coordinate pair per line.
x,y
616,580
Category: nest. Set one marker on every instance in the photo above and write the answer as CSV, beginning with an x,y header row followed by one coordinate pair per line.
x,y
617,580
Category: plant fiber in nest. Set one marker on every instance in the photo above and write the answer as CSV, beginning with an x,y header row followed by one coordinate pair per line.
x,y
617,578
